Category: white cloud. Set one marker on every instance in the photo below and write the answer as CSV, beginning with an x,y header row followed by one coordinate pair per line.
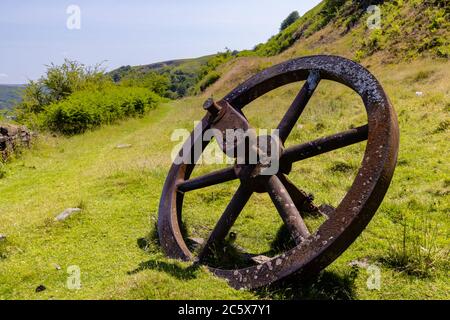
x,y
3,75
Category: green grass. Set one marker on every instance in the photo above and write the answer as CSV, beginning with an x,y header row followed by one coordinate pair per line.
x,y
112,239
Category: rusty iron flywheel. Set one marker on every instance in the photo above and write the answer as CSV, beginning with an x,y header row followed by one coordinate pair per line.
x,y
312,251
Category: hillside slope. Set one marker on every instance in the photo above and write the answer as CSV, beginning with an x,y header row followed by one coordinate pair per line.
x,y
402,30
9,95
344,31
112,240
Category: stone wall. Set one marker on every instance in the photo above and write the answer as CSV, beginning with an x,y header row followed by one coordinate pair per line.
x,y
13,137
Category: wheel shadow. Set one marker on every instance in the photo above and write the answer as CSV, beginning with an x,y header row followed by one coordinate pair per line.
x,y
150,244
328,285
173,269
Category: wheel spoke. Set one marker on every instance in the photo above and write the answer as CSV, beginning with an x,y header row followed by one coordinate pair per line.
x,y
227,220
300,198
207,180
286,207
324,145
296,109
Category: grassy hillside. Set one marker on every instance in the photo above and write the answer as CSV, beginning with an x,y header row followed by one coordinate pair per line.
x,y
112,240
9,94
344,32
409,29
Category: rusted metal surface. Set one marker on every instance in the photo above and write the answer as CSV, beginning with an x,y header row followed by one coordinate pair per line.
x,y
314,250
287,209
296,109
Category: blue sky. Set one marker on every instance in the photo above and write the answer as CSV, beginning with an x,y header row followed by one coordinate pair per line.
x,y
34,33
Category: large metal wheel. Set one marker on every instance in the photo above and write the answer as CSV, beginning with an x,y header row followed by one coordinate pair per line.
x,y
313,251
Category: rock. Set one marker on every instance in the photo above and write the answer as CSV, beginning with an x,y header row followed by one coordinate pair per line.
x,y
419,93
196,242
12,136
57,266
2,237
67,213
364,263
40,288
123,146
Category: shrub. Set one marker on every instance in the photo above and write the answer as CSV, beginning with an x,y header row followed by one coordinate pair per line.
x,y
301,27
87,109
158,83
214,62
291,18
418,252
61,81
422,75
443,51
57,84
375,41
210,78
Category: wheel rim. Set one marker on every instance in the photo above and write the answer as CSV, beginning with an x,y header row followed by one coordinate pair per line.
x,y
353,213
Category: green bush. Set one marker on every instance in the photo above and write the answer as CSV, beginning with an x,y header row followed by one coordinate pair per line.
x,y
214,62
153,81
210,78
443,51
302,27
291,18
87,109
58,83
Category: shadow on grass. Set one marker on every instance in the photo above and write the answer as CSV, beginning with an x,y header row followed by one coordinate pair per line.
x,y
150,243
173,269
327,285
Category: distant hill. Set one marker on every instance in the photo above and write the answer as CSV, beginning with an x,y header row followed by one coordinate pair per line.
x,y
183,73
9,94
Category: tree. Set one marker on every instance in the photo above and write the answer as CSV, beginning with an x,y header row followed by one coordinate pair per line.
x,y
58,83
63,80
291,18
158,83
